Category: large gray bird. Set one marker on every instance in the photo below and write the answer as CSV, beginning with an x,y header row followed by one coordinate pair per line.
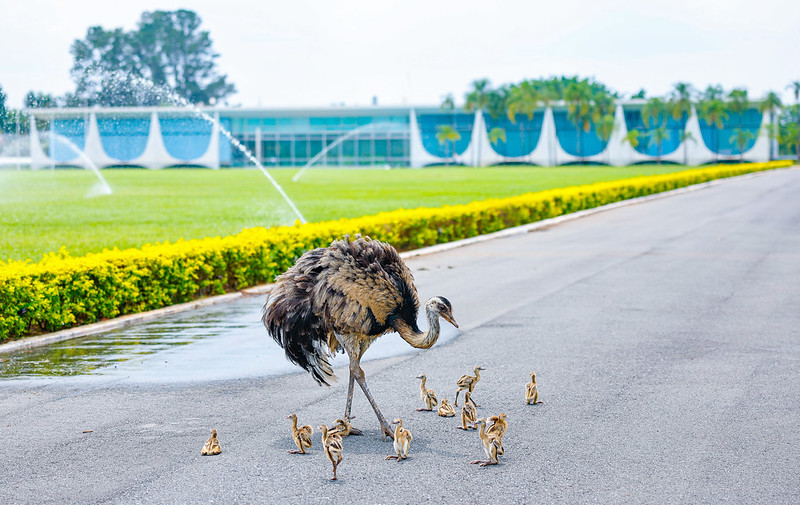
x,y
344,297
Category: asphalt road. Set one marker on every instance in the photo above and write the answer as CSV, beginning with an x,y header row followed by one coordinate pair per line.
x,y
665,337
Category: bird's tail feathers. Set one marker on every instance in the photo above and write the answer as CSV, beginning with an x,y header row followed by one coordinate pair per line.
x,y
292,324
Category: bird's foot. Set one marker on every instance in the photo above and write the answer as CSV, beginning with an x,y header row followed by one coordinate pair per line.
x,y
391,457
487,463
477,461
424,410
295,451
356,431
387,433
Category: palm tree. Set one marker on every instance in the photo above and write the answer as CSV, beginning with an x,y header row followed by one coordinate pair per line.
x,y
713,92
522,98
579,108
680,103
448,102
714,112
790,130
771,103
605,127
632,138
741,138
685,137
795,87
659,135
478,100
447,133
496,135
654,110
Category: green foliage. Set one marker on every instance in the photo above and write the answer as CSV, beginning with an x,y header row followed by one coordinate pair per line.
x,y
167,47
496,135
62,291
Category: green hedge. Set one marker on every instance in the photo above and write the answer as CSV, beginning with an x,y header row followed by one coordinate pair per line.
x,y
61,291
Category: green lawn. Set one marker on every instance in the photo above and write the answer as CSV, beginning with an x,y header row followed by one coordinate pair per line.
x,y
41,211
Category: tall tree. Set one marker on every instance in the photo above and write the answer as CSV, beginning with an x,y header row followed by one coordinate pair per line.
x,y
445,134
3,111
496,135
478,100
714,111
654,111
659,135
741,138
771,103
167,48
632,138
605,126
795,87
685,137
578,96
522,98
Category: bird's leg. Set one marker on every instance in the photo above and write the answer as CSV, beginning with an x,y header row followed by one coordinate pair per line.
x,y
456,402
359,376
353,431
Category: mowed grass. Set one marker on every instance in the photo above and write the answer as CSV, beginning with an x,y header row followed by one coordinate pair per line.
x,y
45,210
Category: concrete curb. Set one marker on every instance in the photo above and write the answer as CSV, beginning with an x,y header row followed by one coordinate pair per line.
x,y
112,324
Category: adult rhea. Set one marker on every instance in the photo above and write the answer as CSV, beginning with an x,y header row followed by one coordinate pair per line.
x,y
344,297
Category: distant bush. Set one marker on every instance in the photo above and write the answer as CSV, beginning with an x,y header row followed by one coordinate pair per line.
x,y
63,291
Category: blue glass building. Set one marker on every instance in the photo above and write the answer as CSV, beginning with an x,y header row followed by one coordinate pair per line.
x,y
367,136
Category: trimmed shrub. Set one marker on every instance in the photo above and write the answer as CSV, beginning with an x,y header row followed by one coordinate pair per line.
x,y
63,291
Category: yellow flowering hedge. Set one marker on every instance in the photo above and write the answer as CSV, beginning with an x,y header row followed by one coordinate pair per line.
x,y
63,291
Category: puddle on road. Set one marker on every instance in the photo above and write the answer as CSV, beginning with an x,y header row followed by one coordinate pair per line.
x,y
218,342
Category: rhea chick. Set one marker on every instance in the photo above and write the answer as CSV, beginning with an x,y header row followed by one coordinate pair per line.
x,y
402,441
491,446
301,436
468,414
344,429
532,391
468,383
498,428
427,395
445,409
332,445
211,447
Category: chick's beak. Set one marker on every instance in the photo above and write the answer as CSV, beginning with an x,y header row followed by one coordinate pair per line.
x,y
450,319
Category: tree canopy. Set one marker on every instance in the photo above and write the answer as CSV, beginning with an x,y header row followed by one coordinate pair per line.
x,y
167,48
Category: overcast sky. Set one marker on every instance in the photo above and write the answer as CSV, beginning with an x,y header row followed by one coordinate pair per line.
x,y
318,53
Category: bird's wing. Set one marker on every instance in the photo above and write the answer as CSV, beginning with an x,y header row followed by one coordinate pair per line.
x,y
361,284
465,380
433,398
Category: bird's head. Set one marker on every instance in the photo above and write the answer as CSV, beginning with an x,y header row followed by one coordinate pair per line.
x,y
533,375
422,376
443,307
213,433
502,416
477,368
480,421
444,401
397,421
293,417
323,428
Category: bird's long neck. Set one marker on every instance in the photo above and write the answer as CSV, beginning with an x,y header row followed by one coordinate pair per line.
x,y
294,424
477,374
422,385
420,339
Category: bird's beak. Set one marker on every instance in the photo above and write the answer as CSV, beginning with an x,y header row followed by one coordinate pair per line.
x,y
449,318
419,376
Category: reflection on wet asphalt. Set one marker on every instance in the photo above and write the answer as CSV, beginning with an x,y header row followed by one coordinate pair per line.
x,y
218,342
